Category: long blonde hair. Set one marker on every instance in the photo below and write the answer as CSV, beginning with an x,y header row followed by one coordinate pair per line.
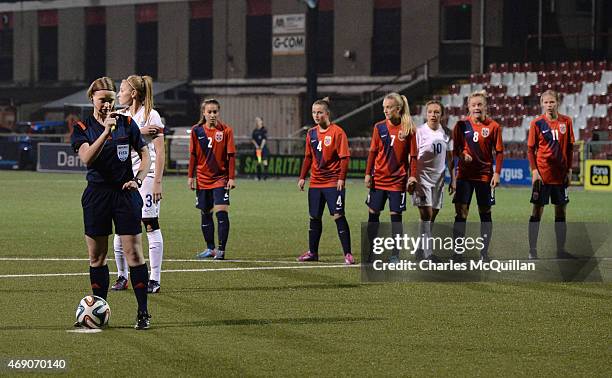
x,y
408,126
143,85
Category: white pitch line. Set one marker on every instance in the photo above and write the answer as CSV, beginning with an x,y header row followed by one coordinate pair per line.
x,y
190,270
165,260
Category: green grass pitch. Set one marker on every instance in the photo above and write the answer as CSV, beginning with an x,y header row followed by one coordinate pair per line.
x,y
285,321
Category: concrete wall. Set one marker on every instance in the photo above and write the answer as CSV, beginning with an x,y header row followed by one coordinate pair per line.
x,y
420,34
25,47
120,41
353,21
229,39
71,44
173,37
288,65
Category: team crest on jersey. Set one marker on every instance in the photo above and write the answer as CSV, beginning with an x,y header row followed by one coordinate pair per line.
x,y
219,136
562,128
401,135
485,132
123,151
327,140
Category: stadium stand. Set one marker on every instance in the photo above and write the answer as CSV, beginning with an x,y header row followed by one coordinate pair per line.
x,y
514,90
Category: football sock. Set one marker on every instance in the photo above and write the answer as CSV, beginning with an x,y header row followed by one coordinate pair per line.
x,y
344,233
486,229
139,276
372,231
425,234
534,230
459,227
99,278
208,230
120,259
314,235
224,225
397,228
560,233
258,169
156,253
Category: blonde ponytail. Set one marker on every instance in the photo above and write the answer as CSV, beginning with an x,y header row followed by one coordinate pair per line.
x,y
143,85
408,126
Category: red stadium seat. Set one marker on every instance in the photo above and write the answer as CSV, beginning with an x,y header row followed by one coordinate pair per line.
x,y
564,66
515,67
503,67
521,111
454,89
527,67
485,78
594,76
609,65
562,88
493,67
474,79
533,110
588,65
601,65
577,65
586,134
551,66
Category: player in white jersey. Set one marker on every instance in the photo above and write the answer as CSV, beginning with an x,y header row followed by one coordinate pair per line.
x,y
435,147
137,93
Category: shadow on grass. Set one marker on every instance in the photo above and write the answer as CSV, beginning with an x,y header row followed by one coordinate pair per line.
x,y
260,322
213,323
265,288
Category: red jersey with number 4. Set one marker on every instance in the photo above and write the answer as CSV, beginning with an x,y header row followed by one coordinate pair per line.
x,y
479,140
552,141
210,150
325,148
391,166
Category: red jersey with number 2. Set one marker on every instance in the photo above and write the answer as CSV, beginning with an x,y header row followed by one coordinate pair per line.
x,y
209,150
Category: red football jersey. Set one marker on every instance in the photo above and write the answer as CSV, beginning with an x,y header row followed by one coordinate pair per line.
x,y
325,148
391,166
210,150
552,142
479,140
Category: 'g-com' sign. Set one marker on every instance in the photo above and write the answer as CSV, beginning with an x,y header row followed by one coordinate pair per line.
x,y
598,175
288,44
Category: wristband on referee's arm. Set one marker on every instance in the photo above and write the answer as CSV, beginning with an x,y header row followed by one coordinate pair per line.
x,y
137,181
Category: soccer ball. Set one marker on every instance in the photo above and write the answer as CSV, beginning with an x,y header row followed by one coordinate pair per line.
x,y
93,312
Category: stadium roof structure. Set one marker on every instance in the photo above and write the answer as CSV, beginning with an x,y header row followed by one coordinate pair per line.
x,y
80,98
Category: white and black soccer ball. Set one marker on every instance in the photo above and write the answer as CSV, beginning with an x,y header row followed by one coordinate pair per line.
x,y
93,312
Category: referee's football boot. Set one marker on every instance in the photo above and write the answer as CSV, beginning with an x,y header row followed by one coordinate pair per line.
x,y
143,321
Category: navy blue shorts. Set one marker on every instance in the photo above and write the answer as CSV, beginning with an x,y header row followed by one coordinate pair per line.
x,y
206,199
103,206
465,188
317,197
555,194
377,198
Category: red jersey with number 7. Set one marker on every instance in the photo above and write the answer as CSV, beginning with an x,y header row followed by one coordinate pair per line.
x,y
479,140
211,152
326,148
